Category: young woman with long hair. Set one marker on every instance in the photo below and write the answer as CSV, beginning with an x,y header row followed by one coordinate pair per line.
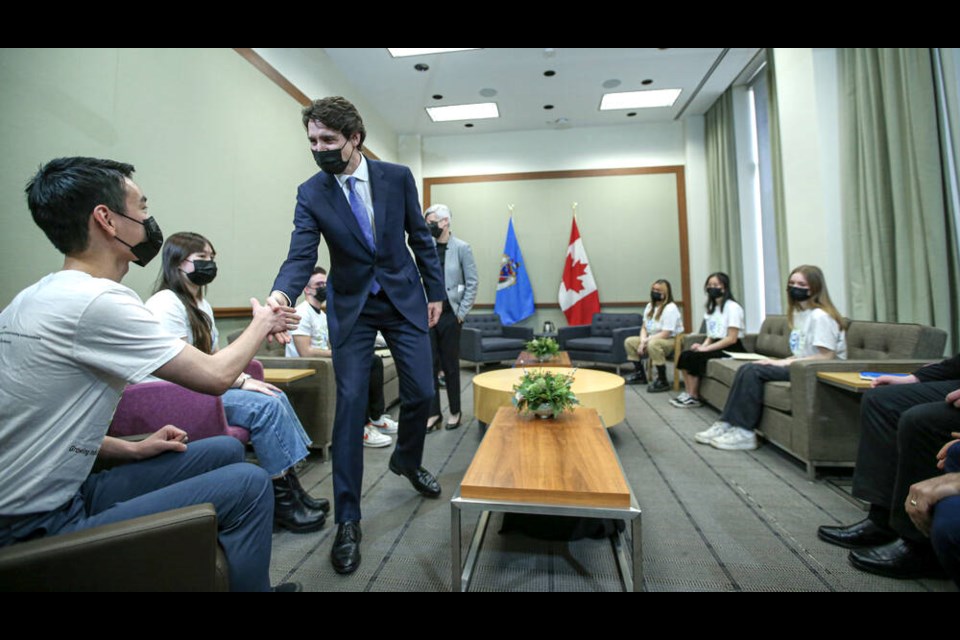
x,y
661,323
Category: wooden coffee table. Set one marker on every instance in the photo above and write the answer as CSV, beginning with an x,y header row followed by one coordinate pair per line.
x,y
565,466
527,359
596,389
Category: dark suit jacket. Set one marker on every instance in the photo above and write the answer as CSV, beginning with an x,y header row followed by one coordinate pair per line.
x,y
323,211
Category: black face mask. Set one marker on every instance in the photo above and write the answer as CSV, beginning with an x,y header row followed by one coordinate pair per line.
x,y
715,292
656,296
148,249
331,161
204,271
435,229
321,294
798,294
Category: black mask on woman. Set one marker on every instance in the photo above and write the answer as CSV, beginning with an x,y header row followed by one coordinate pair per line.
x,y
204,271
798,294
656,296
435,229
715,292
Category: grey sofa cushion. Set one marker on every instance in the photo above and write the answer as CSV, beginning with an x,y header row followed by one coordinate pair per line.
x,y
604,323
777,395
590,344
502,344
774,338
882,340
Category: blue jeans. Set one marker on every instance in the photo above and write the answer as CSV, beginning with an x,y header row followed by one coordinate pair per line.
x,y
210,470
276,434
945,532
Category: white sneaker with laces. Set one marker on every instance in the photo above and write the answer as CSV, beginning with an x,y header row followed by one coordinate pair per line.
x,y
686,403
716,430
375,439
736,439
385,424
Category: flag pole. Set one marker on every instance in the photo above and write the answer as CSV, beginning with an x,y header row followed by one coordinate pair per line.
x,y
510,208
575,210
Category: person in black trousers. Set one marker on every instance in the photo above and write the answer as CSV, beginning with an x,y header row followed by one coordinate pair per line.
x,y
904,423
460,280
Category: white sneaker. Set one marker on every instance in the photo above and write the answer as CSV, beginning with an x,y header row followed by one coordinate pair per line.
x,y
373,438
385,424
736,439
685,401
716,430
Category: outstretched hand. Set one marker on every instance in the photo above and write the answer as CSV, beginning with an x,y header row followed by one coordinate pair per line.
x,y
280,318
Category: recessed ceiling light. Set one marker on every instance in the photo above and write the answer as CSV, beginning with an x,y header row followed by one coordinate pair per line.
x,y
550,73
464,112
421,67
437,96
403,53
469,125
548,106
631,114
639,99
647,81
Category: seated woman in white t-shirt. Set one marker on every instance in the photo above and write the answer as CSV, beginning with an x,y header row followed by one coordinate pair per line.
x,y
724,324
276,434
817,333
661,323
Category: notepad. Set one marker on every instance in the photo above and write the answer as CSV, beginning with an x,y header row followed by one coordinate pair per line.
x,y
746,355
873,375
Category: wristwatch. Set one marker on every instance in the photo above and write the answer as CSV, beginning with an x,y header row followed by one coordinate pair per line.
x,y
243,379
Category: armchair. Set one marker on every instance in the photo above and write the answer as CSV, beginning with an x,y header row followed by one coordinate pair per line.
x,y
133,555
601,340
484,338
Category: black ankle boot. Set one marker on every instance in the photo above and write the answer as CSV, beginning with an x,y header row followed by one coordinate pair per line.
x,y
317,504
291,514
638,376
660,384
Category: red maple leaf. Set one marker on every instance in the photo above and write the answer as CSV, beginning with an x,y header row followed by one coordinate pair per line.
x,y
572,272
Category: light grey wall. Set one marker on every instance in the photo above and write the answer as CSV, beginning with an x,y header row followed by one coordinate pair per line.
x,y
218,148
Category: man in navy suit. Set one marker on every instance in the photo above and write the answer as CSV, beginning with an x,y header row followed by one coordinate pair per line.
x,y
368,211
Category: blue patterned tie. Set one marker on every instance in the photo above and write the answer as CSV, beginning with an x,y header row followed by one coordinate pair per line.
x,y
363,219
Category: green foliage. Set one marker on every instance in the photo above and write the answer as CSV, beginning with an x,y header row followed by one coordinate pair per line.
x,y
543,347
539,388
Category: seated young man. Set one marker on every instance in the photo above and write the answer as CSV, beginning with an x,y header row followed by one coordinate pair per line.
x,y
311,340
70,343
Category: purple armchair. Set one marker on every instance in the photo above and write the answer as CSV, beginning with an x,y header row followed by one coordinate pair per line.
x,y
149,406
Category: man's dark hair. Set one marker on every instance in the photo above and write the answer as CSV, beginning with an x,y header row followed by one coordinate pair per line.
x,y
335,113
317,270
64,192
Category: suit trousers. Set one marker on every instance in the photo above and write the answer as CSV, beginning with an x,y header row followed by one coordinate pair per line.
x,y
210,470
945,532
445,341
410,347
902,427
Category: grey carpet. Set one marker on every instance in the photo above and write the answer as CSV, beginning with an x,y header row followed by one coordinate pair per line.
x,y
712,520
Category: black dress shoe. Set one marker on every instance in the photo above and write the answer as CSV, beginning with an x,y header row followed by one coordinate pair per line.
x,y
291,514
899,559
288,587
450,426
345,554
436,425
865,533
421,479
317,504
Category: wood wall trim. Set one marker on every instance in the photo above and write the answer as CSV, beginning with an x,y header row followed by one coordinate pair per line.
x,y
232,312
677,170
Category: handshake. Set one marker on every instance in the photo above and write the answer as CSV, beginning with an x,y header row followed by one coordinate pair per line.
x,y
276,316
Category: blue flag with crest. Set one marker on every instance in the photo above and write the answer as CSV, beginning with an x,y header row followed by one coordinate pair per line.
x,y
514,294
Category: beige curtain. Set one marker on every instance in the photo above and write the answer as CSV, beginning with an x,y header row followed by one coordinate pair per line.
x,y
726,248
776,160
896,231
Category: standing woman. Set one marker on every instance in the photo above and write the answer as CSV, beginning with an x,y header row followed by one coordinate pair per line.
x,y
460,280
661,323
276,434
817,332
724,324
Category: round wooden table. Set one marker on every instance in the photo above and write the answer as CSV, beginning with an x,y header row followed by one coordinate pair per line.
x,y
595,389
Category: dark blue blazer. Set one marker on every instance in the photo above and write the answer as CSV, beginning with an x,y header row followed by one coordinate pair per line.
x,y
323,211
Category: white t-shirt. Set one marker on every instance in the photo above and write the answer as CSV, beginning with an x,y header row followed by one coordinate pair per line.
x,y
69,344
173,316
814,328
313,323
670,320
719,322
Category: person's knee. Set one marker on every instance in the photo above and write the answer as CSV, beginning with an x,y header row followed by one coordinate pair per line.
x,y
250,482
220,450
915,423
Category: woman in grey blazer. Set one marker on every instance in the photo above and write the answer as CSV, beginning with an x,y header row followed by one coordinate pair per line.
x,y
460,280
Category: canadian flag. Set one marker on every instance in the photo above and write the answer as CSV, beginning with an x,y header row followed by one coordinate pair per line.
x,y
579,298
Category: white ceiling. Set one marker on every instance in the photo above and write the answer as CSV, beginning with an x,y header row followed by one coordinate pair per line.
x,y
400,93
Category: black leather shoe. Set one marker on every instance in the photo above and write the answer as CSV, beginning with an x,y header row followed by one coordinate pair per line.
x,y
317,504
899,559
291,514
637,378
345,554
421,479
436,425
865,533
288,587
449,426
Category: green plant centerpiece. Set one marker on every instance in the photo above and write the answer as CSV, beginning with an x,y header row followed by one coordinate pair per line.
x,y
544,393
543,349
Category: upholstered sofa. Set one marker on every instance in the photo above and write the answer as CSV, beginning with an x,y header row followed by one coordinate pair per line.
x,y
816,422
484,338
602,339
315,398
